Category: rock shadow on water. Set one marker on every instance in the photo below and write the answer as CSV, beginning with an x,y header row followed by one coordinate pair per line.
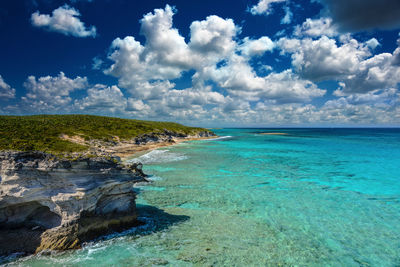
x,y
158,219
150,220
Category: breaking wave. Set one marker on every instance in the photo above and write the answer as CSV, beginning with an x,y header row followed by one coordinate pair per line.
x,y
219,138
159,156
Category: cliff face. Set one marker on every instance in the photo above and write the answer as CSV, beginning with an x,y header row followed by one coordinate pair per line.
x,y
47,203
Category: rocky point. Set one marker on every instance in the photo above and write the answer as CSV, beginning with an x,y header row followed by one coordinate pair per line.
x,y
56,204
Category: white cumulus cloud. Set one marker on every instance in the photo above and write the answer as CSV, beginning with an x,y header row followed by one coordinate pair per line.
x,y
240,80
373,43
349,62
324,58
263,7
374,73
257,47
316,28
65,20
6,92
213,35
51,93
226,86
213,53
102,99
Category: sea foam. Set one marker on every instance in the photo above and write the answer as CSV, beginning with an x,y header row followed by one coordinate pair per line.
x,y
219,138
159,156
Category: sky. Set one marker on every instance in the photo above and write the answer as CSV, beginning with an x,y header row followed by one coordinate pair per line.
x,y
242,63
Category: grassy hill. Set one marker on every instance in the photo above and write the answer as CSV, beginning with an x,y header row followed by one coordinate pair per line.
x,y
42,132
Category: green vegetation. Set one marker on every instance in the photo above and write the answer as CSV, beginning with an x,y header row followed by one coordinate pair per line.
x,y
42,132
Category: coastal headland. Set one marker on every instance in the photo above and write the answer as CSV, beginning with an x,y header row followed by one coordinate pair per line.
x,y
62,181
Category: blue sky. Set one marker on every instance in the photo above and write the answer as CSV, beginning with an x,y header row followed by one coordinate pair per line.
x,y
208,63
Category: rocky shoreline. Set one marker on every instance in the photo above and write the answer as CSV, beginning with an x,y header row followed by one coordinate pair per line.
x,y
50,202
47,203
124,148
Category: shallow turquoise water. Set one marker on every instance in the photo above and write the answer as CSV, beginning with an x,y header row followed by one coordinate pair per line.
x,y
313,197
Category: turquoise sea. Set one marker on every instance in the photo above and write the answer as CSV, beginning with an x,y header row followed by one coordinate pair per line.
x,y
311,197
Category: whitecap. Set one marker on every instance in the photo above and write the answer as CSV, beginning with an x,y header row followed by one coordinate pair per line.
x,y
159,156
219,138
154,178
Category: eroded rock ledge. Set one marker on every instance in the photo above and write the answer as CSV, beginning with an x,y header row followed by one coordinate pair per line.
x,y
50,203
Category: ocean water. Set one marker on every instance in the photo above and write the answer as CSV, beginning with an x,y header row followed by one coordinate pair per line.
x,y
311,197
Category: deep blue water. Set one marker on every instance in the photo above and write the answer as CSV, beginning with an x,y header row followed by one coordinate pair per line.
x,y
308,197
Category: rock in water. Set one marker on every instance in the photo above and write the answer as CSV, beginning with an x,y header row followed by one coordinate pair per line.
x,y
47,203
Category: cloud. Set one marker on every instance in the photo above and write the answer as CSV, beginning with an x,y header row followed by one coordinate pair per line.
x,y
372,43
372,108
380,107
226,88
324,59
287,19
385,97
338,112
6,92
186,99
350,62
316,28
164,44
396,55
230,81
97,63
371,74
251,48
263,7
51,93
183,105
213,36
136,105
287,87
145,70
213,53
55,94
356,15
102,99
204,106
63,20
241,81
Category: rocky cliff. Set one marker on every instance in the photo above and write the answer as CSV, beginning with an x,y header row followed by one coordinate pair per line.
x,y
49,203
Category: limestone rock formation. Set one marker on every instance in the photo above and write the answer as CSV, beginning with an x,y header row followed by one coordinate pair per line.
x,y
47,203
